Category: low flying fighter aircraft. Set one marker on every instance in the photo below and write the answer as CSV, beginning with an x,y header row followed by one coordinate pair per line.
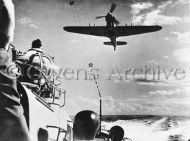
x,y
112,30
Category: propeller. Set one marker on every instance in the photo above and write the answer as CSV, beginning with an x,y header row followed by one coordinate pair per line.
x,y
113,6
116,22
98,17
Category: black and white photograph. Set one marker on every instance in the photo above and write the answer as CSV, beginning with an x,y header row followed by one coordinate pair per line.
x,y
94,70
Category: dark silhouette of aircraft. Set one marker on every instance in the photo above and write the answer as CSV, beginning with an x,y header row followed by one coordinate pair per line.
x,y
112,30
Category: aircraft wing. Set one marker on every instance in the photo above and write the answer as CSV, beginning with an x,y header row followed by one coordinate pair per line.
x,y
133,30
118,30
89,30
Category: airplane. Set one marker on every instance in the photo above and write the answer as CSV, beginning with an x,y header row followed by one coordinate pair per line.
x,y
112,29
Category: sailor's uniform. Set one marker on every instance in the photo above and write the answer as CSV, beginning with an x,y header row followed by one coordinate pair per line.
x,y
12,121
13,125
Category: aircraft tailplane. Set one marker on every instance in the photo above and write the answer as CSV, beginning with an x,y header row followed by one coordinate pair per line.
x,y
121,43
117,43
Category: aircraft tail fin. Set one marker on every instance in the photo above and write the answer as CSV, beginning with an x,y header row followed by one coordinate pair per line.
x,y
118,43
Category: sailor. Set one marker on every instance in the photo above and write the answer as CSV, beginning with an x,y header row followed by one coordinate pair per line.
x,y
37,69
36,48
13,125
29,61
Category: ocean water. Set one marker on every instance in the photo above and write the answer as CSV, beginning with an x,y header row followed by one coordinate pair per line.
x,y
151,128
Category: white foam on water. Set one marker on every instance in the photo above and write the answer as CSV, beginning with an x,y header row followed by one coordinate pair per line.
x,y
139,130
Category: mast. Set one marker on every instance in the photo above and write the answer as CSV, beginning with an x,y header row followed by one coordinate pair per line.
x,y
91,65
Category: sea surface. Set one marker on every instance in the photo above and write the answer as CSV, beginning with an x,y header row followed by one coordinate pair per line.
x,y
150,128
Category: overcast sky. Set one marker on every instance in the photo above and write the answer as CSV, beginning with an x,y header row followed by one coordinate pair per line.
x,y
168,48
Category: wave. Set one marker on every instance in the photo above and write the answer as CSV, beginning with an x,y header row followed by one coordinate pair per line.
x,y
153,128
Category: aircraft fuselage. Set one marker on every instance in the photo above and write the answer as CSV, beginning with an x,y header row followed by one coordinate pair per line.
x,y
111,29
109,20
112,36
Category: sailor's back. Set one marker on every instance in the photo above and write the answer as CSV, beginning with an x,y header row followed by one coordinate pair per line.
x,y
12,121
